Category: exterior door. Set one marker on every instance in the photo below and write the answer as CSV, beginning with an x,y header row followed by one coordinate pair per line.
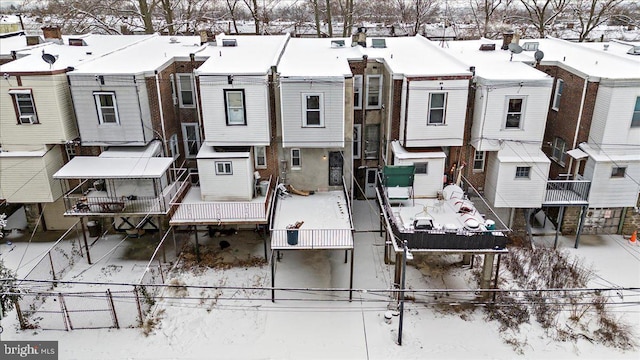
x,y
370,183
335,168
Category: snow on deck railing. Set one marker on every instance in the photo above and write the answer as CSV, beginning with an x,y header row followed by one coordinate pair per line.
x,y
311,239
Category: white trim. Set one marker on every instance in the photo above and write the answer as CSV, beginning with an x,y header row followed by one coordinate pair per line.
x,y
256,151
444,109
522,177
483,160
379,105
19,91
557,95
227,168
180,90
305,110
357,130
522,112
186,141
299,157
172,82
99,106
357,84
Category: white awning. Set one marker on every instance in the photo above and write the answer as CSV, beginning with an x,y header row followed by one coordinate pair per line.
x,y
90,167
577,154
401,153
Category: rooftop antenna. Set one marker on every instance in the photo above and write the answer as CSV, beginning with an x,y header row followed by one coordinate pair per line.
x,y
443,42
539,55
514,49
49,59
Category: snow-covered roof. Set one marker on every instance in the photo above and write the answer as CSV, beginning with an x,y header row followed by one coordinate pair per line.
x,y
70,56
617,47
586,60
33,153
252,55
209,152
609,156
311,57
89,167
495,65
133,151
401,153
153,53
516,152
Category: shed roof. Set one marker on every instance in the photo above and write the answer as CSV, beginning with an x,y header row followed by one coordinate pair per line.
x,y
90,167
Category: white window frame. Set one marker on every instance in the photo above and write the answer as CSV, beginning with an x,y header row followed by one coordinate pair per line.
x,y
260,152
614,172
228,107
379,92
420,164
635,118
320,110
522,112
172,81
558,150
558,94
188,142
520,175
99,107
357,89
443,108
481,157
224,168
181,90
174,148
296,154
357,141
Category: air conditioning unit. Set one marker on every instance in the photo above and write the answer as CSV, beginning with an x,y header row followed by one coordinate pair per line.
x,y
28,119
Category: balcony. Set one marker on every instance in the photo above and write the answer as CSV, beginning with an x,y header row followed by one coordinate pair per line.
x,y
567,192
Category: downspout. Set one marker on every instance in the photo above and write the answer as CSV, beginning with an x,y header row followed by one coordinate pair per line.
x,y
144,137
164,132
406,113
196,87
575,137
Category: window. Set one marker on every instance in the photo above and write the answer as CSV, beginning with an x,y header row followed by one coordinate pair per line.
x,y
24,106
185,93
421,167
635,119
437,105
374,84
260,153
107,107
618,171
357,92
357,140
558,94
296,159
515,108
224,168
234,107
522,172
173,146
371,141
172,81
478,161
558,151
191,139
312,110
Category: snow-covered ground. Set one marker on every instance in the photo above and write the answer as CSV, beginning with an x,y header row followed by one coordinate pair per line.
x,y
222,324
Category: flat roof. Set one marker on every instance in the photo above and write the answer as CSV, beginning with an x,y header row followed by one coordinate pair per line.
x,y
252,55
495,65
517,152
401,153
610,156
156,52
209,152
313,57
71,56
322,210
89,167
133,151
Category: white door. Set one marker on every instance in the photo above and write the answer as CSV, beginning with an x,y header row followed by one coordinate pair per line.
x,y
370,183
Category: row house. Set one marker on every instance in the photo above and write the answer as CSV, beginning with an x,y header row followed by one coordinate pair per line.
x,y
140,105
37,121
593,130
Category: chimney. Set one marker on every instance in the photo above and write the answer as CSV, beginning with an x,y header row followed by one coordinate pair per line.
x,y
203,37
52,34
507,36
360,37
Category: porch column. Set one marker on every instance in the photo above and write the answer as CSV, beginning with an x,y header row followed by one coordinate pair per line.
x,y
583,213
560,221
487,272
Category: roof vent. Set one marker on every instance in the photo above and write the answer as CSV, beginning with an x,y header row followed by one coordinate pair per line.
x,y
530,46
173,40
337,43
229,42
487,47
378,43
635,50
77,42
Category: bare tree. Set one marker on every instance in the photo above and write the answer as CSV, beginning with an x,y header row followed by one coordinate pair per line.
x,y
346,11
592,13
329,19
231,5
542,13
316,14
254,10
483,13
423,10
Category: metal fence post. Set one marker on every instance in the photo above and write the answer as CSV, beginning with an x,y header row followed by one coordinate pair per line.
x,y
113,309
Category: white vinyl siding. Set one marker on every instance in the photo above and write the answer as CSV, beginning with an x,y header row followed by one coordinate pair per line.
x,y
29,179
418,134
558,94
235,107
191,139
428,178
312,110
489,114
260,154
437,109
106,107
608,191
374,91
55,115
256,107
515,112
357,92
332,133
185,90
238,186
614,111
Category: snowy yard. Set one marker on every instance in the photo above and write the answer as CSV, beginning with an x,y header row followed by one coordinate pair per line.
x,y
231,323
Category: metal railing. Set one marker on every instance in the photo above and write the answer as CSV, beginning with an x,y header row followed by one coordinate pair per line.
x,y
311,239
567,192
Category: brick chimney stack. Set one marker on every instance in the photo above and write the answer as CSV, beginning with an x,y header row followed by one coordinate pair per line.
x,y
52,33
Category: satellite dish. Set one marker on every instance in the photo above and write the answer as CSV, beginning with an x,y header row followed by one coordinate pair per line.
x,y
48,58
515,48
538,55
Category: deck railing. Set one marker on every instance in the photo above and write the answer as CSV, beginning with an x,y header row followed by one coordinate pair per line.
x,y
311,239
567,191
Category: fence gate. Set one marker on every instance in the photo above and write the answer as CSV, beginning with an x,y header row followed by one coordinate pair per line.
x,y
89,310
